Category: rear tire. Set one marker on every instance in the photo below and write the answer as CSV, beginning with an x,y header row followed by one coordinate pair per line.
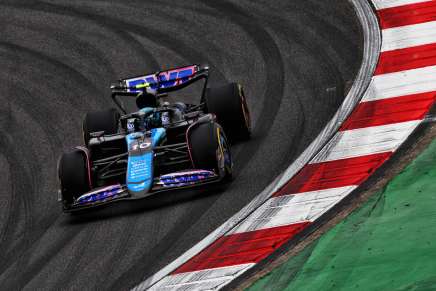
x,y
209,149
105,120
73,175
229,105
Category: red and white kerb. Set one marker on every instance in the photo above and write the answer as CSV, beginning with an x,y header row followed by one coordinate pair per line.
x,y
401,92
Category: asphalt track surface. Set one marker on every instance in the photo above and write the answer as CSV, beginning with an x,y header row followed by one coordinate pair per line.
x,y
295,59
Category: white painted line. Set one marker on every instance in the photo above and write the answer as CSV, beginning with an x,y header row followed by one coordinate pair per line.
x,y
408,36
401,83
291,209
209,279
366,141
382,4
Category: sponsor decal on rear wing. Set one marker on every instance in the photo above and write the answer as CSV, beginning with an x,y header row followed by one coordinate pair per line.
x,y
162,79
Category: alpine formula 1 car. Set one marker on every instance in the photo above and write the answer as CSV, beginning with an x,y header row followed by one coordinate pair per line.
x,y
159,146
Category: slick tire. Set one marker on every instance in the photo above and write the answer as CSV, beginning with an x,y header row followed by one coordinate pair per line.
x,y
209,149
73,175
229,105
105,120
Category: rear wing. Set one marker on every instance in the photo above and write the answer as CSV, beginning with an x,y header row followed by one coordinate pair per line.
x,y
161,82
162,79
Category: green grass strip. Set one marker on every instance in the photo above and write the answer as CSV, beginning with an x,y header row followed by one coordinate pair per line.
x,y
387,244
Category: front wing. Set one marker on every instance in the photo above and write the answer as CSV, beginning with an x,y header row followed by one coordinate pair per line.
x,y
170,182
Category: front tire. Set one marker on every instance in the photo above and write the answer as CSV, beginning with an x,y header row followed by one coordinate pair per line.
x,y
73,175
209,149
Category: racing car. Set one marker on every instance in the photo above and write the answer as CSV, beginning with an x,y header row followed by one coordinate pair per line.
x,y
159,146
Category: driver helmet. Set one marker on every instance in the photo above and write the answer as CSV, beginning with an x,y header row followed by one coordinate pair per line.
x,y
147,98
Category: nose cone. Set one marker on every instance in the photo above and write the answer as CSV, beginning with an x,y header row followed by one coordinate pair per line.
x,y
139,175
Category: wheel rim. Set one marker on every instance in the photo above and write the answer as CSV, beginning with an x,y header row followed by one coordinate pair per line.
x,y
245,111
224,156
